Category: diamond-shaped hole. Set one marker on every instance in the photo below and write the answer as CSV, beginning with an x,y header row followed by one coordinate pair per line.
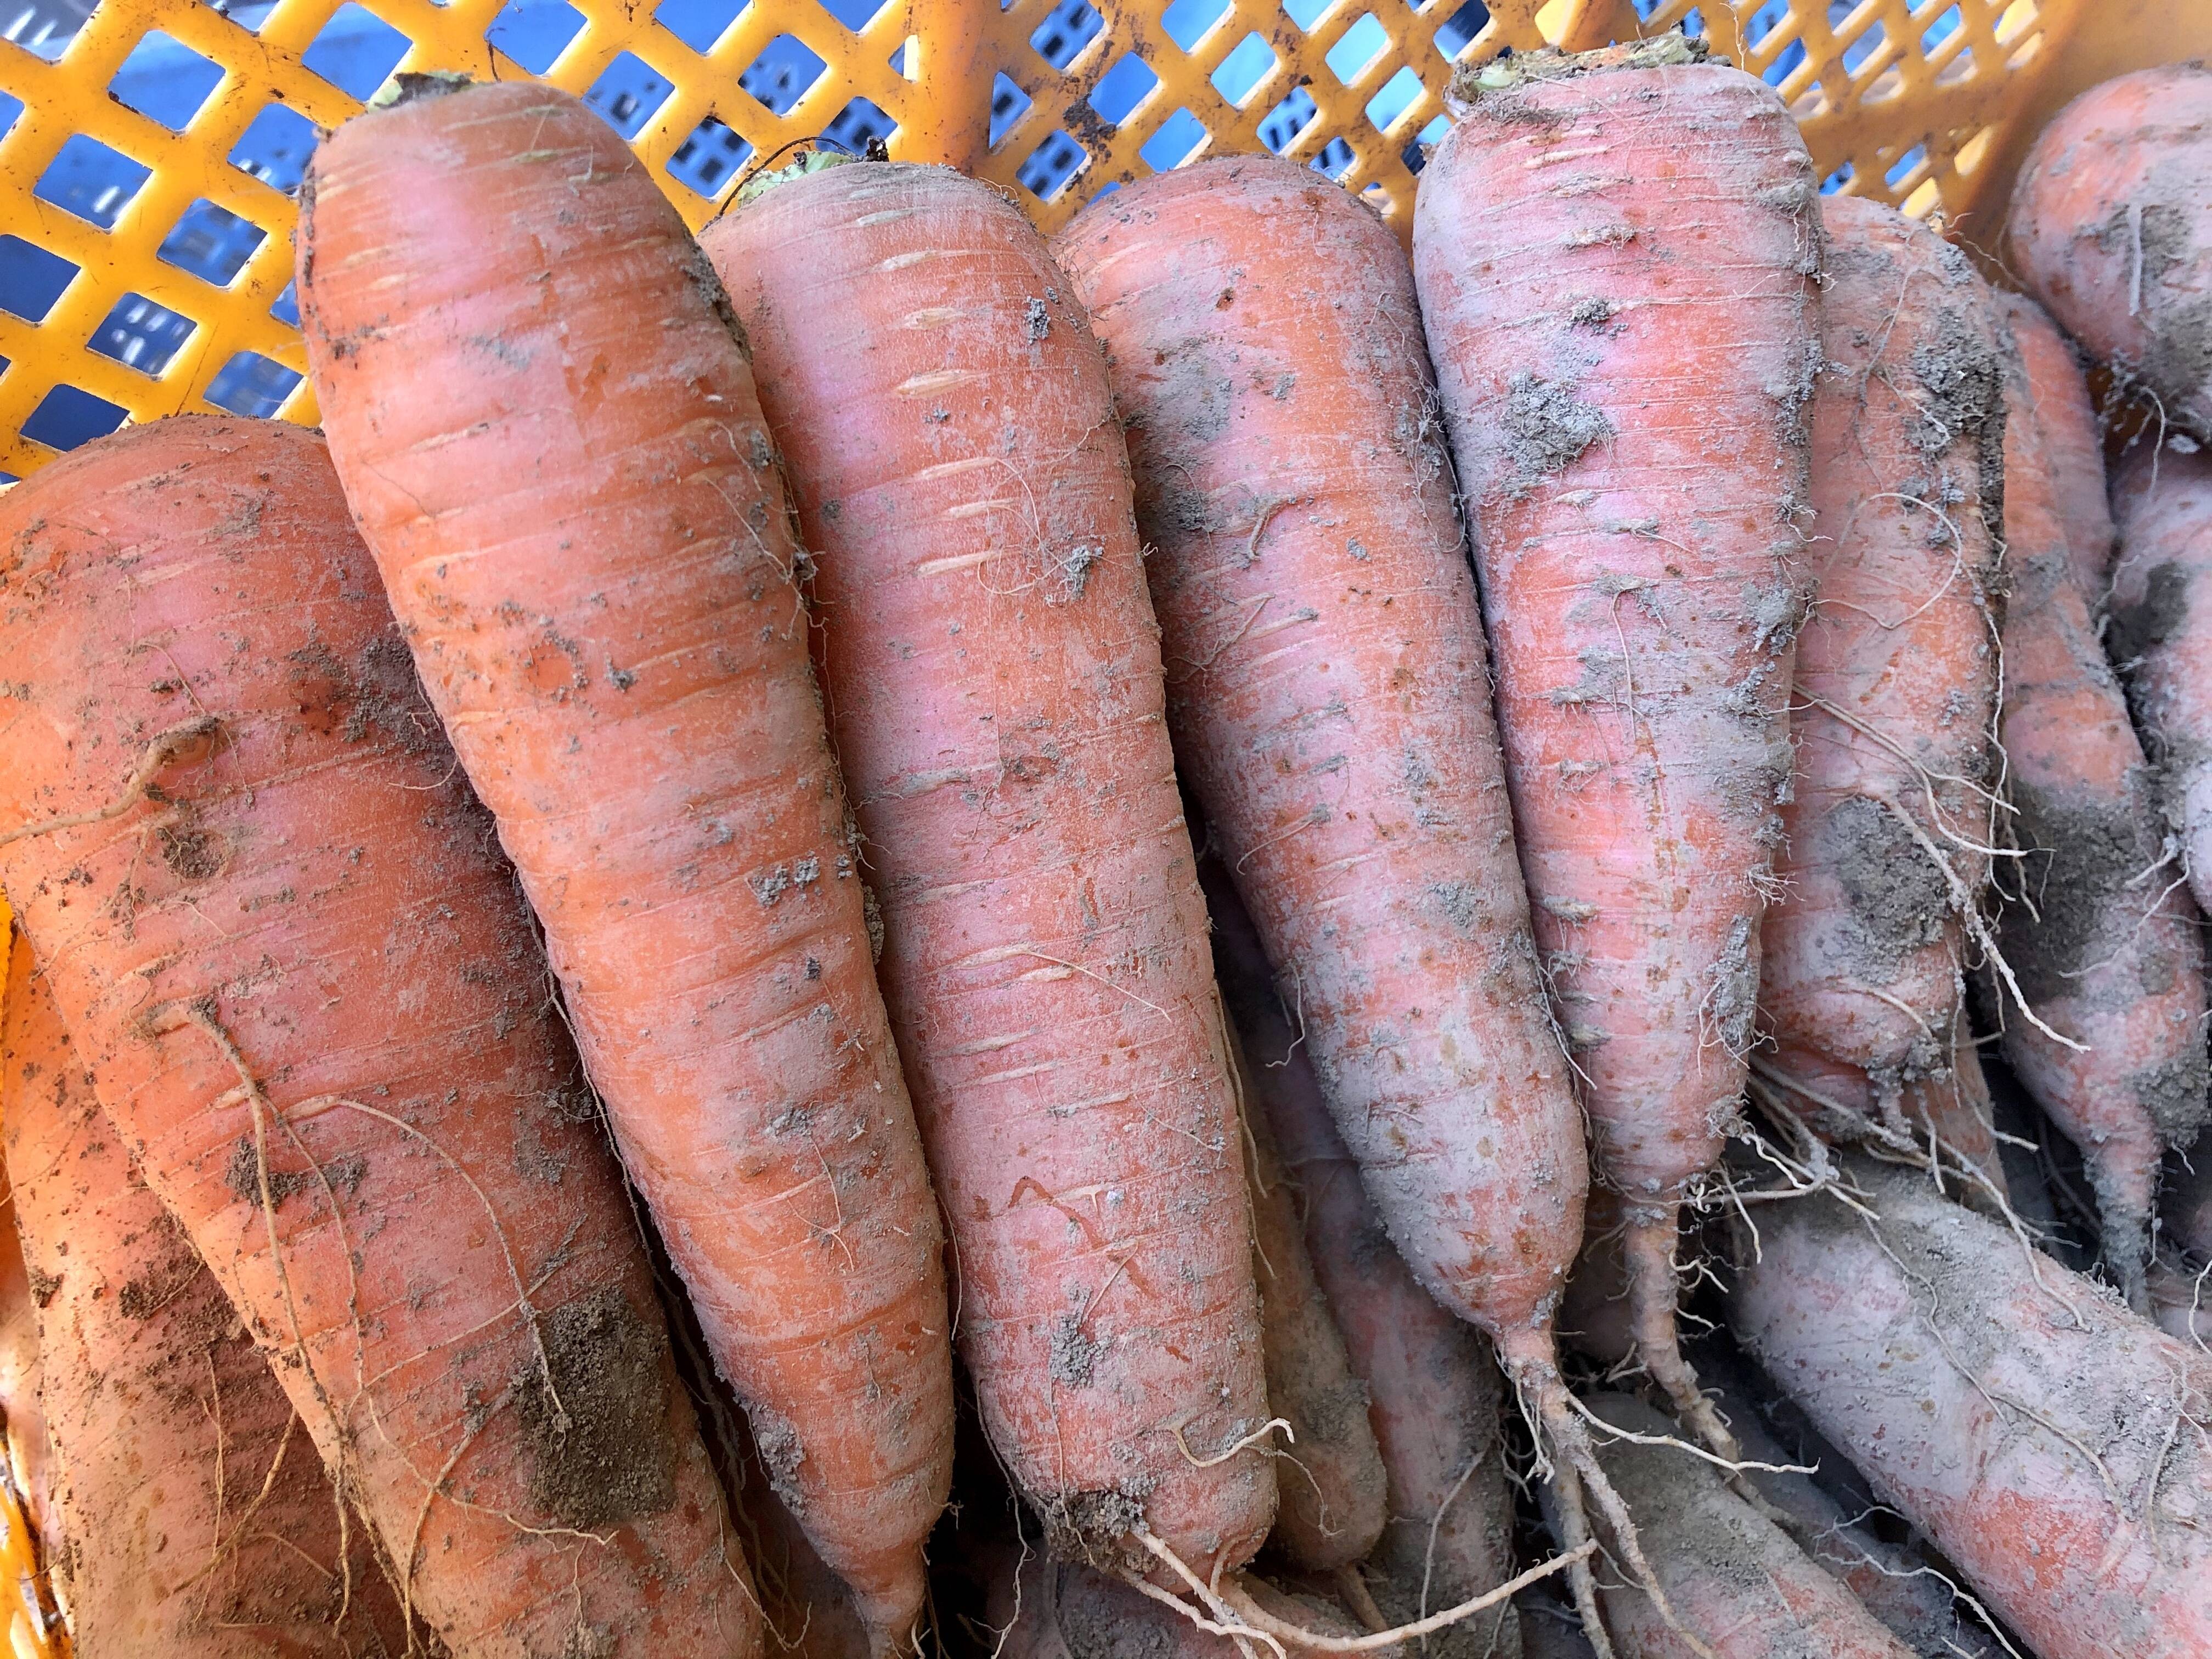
x,y
1306,13
247,14
699,23
1336,158
31,279
211,242
1287,119
1361,44
66,417
1187,22
89,179
1009,103
1764,21
534,33
1122,89
1785,62
1945,26
709,159
251,384
782,74
1398,95
1902,167
1835,181
854,15
165,80
1051,165
45,31
1864,47
1068,28
857,125
286,309
1453,34
1248,64
627,93
141,335
355,50
1175,143
274,148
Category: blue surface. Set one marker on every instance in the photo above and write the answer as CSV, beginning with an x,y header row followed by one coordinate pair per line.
x,y
251,384
211,242
855,127
165,80
1249,62
627,93
1009,103
708,161
1121,89
274,148
1051,165
89,179
355,50
1287,119
31,279
1185,21
141,335
534,32
66,417
1177,136
1067,29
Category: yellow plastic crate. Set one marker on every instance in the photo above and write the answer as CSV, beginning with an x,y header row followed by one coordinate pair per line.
x,y
1911,98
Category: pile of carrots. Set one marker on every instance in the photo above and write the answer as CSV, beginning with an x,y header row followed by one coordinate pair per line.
x,y
869,937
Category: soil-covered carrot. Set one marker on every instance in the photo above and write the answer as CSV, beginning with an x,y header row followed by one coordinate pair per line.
x,y
2049,1442
1614,253
1329,699
2073,443
2111,227
1739,1586
277,927
1432,1378
2101,931
2159,635
554,451
993,676
199,1523
1896,666
1332,1486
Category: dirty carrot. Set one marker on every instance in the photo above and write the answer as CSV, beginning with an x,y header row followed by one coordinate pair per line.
x,y
197,1519
2101,930
1432,1378
2111,227
994,678
2073,444
1329,695
2049,1442
1614,253
30,1459
554,451
1894,812
278,929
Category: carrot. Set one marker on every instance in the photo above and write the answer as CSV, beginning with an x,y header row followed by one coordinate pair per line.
x,y
1328,695
2103,937
2159,632
1619,301
2045,1439
2073,444
1331,1484
994,680
197,1518
275,923
1432,1378
2111,229
1737,1580
616,641
1897,668
30,1462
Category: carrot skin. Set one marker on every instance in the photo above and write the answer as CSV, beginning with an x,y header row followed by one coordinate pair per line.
x,y
2109,228
2073,445
2013,1413
2109,953
994,676
615,637
1737,1581
1638,553
28,1444
314,1010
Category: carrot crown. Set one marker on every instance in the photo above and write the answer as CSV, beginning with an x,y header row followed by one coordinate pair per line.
x,y
1525,69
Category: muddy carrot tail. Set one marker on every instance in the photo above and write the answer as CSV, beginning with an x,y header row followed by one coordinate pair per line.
x,y
1623,371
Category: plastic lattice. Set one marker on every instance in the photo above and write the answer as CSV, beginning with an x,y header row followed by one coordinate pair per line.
x,y
150,151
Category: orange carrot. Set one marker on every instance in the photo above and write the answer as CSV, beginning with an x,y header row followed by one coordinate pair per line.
x,y
2045,1439
276,925
615,637
30,1462
2111,227
2159,635
2104,936
1619,299
198,1519
1433,1379
2073,444
1331,1486
1897,668
994,683
1743,1590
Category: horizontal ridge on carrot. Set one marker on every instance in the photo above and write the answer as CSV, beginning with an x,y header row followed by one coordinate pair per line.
x,y
279,932
555,450
1615,254
994,676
